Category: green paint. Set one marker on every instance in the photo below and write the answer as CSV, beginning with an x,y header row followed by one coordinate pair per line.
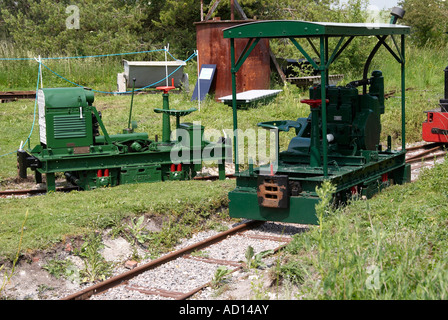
x,y
340,142
71,143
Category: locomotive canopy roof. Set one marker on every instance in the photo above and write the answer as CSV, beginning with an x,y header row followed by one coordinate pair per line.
x,y
294,28
322,31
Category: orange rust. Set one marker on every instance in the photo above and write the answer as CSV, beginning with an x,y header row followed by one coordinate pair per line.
x,y
271,194
214,49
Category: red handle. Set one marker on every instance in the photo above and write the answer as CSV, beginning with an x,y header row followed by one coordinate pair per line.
x,y
165,89
314,103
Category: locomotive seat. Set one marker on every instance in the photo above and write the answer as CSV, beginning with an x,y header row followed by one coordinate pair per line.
x,y
300,125
298,143
282,125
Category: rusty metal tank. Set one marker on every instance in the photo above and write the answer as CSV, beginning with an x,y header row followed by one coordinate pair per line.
x,y
214,49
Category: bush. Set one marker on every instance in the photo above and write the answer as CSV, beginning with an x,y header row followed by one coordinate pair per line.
x,y
47,27
428,21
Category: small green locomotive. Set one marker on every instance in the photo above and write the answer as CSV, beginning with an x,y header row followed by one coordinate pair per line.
x,y
71,142
340,140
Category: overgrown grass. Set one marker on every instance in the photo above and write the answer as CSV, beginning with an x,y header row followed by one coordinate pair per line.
x,y
389,247
99,73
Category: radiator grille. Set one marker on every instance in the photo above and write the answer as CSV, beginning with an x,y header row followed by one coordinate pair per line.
x,y
69,126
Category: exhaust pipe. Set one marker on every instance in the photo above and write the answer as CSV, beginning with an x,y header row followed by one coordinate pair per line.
x,y
397,13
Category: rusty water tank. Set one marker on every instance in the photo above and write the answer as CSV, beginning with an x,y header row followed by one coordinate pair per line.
x,y
214,49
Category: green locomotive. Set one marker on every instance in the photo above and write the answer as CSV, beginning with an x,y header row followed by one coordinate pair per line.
x,y
340,140
71,142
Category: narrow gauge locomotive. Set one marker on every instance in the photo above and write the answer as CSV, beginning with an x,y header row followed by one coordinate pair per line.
x,y
70,142
338,142
435,128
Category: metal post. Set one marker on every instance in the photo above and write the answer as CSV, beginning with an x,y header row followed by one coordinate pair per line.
x,y
444,102
166,131
327,78
403,95
446,82
235,120
199,81
323,76
166,65
40,70
132,102
202,10
315,141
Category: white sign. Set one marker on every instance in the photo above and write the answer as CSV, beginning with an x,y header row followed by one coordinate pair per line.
x,y
206,74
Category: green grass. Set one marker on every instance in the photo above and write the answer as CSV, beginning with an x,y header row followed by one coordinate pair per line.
x,y
390,247
185,207
99,73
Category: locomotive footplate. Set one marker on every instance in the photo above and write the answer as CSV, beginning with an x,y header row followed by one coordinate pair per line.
x,y
273,191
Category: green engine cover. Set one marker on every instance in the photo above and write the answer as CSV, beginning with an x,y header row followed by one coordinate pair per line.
x,y
65,120
354,118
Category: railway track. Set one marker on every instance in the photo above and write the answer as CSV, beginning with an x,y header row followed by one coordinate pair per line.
x,y
425,152
424,155
30,192
141,280
6,96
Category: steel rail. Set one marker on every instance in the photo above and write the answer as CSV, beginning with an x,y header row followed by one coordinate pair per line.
x,y
14,95
33,191
430,151
420,155
120,279
196,290
427,157
423,146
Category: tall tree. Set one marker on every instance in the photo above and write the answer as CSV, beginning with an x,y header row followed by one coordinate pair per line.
x,y
172,21
428,19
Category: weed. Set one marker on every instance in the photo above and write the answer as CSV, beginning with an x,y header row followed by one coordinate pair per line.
x,y
96,268
200,253
43,289
387,247
137,230
7,277
254,260
292,271
220,276
61,268
325,193
257,288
